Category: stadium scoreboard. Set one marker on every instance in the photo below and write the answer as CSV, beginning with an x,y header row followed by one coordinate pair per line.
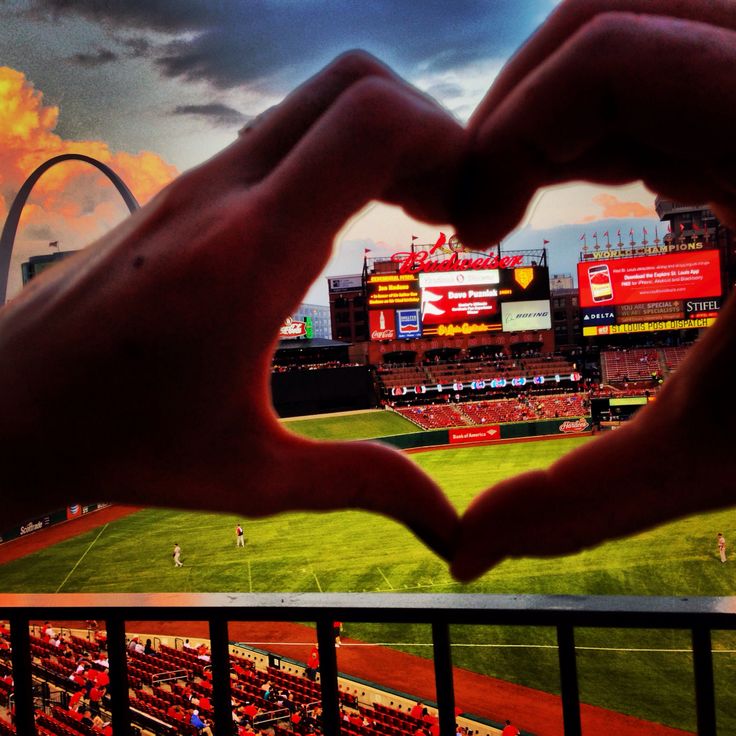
x,y
458,302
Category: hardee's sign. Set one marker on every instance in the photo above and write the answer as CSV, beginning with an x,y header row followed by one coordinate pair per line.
x,y
574,426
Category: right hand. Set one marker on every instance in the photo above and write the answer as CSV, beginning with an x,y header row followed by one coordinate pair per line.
x,y
611,91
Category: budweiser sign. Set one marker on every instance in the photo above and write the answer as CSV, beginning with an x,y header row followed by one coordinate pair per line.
x,y
423,262
570,427
292,328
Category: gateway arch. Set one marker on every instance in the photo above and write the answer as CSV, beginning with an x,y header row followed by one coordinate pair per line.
x,y
7,239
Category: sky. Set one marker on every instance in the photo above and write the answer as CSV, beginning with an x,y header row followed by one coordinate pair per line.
x,y
154,87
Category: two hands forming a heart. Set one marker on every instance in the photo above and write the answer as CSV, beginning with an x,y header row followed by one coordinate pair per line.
x,y
141,366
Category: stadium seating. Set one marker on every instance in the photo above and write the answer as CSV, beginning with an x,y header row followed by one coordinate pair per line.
x,y
525,407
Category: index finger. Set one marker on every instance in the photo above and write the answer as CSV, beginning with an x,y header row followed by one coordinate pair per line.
x,y
378,141
589,112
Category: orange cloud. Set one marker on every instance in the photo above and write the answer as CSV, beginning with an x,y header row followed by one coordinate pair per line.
x,y
612,206
73,201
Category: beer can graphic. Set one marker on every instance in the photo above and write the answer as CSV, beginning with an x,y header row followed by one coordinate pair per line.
x,y
601,288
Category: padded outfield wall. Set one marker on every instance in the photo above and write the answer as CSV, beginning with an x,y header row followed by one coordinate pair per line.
x,y
491,433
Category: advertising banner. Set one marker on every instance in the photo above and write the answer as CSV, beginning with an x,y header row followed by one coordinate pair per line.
x,y
632,327
382,324
475,434
520,316
408,323
345,283
574,426
647,279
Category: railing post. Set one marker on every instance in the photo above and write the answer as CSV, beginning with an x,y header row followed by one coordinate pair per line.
x,y
569,680
444,685
221,692
116,655
328,677
705,700
20,641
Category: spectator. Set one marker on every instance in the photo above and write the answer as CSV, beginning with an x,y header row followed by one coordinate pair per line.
x,y
312,665
176,712
202,726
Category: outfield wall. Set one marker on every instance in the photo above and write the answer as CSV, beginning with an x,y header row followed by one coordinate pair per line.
x,y
46,520
490,433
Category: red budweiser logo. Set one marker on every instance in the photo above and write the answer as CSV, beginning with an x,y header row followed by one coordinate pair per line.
x,y
420,262
579,425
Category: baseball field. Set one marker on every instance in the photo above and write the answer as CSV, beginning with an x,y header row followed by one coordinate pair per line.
x,y
643,673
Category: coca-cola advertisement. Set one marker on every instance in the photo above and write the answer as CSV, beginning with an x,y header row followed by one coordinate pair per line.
x,y
382,324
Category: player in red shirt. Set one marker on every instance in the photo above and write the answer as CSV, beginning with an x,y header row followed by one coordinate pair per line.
x,y
510,730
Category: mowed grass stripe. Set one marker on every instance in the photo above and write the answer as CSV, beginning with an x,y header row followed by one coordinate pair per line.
x,y
357,426
356,551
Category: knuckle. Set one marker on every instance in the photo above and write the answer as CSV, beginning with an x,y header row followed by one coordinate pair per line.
x,y
375,107
605,32
356,64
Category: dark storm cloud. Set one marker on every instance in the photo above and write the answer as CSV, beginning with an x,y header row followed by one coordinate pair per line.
x,y
166,16
98,58
136,46
215,112
234,42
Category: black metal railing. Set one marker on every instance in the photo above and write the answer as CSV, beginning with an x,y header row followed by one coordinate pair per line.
x,y
700,616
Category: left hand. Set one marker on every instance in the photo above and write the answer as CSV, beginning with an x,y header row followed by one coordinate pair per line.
x,y
139,368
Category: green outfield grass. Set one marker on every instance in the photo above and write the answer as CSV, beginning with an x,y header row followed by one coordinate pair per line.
x,y
355,551
362,425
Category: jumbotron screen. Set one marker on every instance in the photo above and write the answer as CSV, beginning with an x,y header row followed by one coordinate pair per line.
x,y
449,303
663,292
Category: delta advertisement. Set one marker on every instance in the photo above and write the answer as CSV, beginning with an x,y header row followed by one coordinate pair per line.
x,y
449,303
667,292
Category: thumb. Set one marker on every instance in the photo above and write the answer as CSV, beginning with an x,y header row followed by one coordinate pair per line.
x,y
324,476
